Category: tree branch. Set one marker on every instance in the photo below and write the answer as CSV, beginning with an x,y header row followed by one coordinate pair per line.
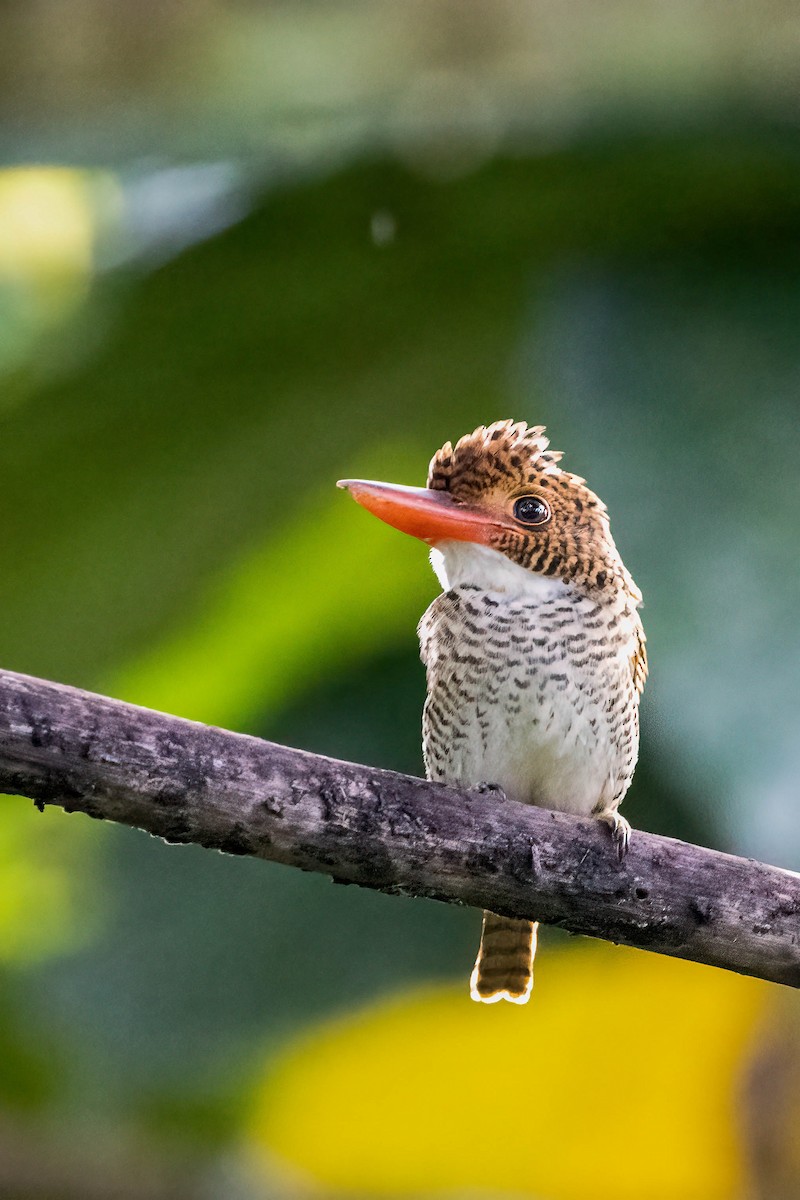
x,y
186,782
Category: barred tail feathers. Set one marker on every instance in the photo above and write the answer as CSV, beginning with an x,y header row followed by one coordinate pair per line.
x,y
504,967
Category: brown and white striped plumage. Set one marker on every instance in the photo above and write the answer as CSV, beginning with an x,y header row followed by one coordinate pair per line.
x,y
535,657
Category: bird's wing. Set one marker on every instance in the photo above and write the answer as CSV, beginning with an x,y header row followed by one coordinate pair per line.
x,y
638,659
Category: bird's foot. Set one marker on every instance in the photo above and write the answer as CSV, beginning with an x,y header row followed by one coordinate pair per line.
x,y
620,831
489,789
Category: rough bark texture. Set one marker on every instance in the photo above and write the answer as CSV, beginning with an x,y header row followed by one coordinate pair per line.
x,y
186,782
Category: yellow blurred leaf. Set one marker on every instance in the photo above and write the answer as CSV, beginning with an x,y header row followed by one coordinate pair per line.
x,y
47,228
617,1081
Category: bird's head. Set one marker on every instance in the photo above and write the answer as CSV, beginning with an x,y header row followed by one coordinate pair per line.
x,y
501,491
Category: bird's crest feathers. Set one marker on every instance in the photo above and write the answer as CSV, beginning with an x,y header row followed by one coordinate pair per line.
x,y
505,448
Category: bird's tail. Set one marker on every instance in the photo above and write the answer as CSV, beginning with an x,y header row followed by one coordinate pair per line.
x,y
504,967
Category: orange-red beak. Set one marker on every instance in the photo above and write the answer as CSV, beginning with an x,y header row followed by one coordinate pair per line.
x,y
429,515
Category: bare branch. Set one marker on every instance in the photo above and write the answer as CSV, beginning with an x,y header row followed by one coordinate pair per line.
x,y
186,782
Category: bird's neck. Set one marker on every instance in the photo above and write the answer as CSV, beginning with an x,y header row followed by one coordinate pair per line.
x,y
465,564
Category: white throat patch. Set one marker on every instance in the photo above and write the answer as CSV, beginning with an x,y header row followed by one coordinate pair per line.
x,y
460,563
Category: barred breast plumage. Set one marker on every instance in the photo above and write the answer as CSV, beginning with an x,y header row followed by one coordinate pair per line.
x,y
534,694
534,651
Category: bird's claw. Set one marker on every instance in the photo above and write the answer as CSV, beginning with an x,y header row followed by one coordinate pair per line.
x,y
489,789
620,832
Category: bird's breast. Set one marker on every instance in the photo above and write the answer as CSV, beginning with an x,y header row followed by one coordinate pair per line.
x,y
535,697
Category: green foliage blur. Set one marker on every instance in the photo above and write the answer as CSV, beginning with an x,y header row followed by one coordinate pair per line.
x,y
247,250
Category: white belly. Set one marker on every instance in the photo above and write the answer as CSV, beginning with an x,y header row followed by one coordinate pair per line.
x,y
536,746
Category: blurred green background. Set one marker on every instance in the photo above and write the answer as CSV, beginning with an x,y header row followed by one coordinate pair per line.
x,y
247,249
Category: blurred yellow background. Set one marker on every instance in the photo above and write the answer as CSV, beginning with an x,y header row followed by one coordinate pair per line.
x,y
574,1097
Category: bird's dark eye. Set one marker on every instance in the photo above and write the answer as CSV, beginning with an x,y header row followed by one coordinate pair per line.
x,y
531,510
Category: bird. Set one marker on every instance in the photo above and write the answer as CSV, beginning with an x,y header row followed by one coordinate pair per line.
x,y
534,650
